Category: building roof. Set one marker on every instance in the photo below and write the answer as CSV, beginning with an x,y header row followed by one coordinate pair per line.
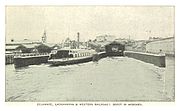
x,y
49,44
25,41
12,47
30,46
9,52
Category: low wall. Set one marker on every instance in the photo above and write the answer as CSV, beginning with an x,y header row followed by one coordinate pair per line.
x,y
99,56
158,60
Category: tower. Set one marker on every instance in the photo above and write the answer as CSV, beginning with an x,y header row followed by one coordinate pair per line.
x,y
44,38
78,40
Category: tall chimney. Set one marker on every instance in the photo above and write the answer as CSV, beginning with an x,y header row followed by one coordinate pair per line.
x,y
78,40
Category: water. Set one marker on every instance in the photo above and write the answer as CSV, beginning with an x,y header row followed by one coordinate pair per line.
x,y
110,79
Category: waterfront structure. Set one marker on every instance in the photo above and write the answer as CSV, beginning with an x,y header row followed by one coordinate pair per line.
x,y
11,48
27,48
165,45
26,52
115,49
45,48
156,59
31,48
9,58
26,45
13,45
24,41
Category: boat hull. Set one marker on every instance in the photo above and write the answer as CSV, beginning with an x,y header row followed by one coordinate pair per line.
x,y
22,62
55,62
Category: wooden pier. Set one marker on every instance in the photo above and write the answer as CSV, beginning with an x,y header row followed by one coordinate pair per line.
x,y
9,59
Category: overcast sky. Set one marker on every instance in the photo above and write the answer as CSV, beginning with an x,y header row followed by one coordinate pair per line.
x,y
61,22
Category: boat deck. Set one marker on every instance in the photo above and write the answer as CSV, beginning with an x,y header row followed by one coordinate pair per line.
x,y
68,59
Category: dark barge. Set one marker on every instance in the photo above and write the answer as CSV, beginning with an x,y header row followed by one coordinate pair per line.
x,y
30,59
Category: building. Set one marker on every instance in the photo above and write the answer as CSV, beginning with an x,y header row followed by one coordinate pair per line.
x,y
115,49
103,38
165,45
24,41
47,47
27,48
25,45
11,48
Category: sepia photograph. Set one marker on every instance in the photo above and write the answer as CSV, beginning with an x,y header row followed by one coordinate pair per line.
x,y
90,53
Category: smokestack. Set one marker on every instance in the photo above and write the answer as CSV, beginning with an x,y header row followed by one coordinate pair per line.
x,y
78,40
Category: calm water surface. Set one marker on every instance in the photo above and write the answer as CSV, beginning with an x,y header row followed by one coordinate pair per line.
x,y
110,79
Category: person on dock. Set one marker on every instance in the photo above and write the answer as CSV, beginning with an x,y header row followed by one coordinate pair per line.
x,y
161,52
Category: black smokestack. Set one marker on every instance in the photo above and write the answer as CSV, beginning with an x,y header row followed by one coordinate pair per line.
x,y
78,34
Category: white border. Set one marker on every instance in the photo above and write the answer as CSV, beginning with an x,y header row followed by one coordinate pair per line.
x,y
32,106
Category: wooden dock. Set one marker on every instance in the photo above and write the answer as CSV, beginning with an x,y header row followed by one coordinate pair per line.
x,y
9,59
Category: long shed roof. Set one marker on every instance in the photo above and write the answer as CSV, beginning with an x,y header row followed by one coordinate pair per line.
x,y
12,47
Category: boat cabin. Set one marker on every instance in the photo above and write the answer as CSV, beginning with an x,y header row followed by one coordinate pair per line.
x,y
71,53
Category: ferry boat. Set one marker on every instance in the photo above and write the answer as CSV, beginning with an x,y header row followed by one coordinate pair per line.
x,y
70,56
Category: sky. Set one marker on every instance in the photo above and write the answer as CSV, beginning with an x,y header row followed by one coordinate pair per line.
x,y
60,22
